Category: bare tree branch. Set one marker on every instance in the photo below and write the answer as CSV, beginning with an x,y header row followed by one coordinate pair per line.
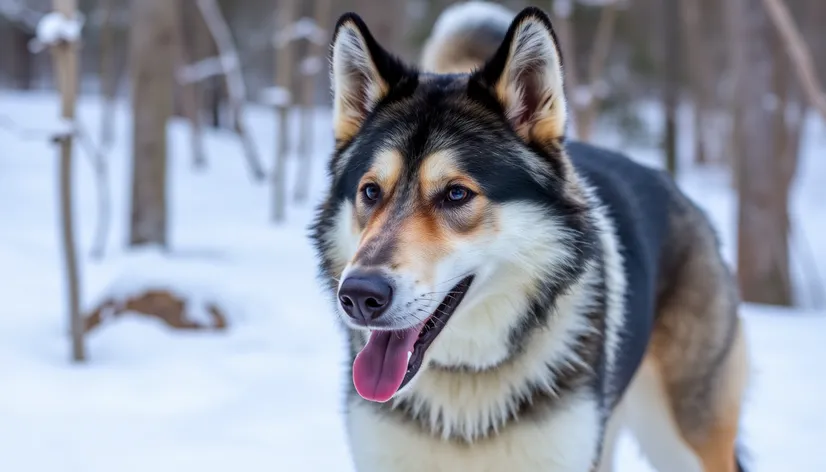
x,y
99,163
235,81
799,54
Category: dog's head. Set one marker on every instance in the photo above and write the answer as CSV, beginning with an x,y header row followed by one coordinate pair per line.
x,y
453,212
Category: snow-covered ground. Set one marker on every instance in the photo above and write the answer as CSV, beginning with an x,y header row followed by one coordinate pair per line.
x,y
265,395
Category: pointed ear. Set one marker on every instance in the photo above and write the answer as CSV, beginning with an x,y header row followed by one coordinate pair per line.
x,y
363,73
525,75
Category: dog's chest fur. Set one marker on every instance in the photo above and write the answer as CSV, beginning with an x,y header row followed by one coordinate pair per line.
x,y
565,440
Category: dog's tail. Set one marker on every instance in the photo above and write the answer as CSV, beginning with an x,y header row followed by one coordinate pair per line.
x,y
464,36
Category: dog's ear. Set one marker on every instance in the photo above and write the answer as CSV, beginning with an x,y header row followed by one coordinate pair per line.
x,y
525,75
363,73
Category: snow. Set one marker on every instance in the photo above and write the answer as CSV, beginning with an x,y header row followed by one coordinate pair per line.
x,y
312,65
274,96
55,27
206,68
265,395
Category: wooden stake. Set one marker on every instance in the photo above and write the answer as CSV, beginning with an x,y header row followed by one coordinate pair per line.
x,y
321,17
65,60
283,79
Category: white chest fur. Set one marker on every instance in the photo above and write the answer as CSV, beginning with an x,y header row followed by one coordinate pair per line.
x,y
564,440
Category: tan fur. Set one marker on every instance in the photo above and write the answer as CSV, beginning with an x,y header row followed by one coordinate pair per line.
x,y
716,447
423,236
698,344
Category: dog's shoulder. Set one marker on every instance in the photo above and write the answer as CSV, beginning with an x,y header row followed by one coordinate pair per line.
x,y
638,200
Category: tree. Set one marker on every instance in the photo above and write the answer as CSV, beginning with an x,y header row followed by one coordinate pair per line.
x,y
584,93
671,85
799,54
763,185
700,71
283,81
153,59
108,74
22,63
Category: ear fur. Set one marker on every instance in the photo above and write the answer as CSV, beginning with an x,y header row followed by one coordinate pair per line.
x,y
525,75
363,73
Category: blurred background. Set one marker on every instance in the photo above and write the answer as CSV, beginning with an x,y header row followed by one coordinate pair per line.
x,y
159,165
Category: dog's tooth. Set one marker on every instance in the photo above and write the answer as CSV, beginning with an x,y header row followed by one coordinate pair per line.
x,y
409,355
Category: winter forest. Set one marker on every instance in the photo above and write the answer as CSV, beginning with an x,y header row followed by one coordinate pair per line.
x,y
161,160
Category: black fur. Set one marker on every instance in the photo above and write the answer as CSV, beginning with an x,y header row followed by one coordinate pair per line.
x,y
637,199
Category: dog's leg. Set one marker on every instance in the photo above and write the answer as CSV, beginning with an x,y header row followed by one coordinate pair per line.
x,y
699,346
610,437
651,420
715,439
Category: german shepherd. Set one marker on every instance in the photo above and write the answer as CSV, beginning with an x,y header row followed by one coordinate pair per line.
x,y
512,299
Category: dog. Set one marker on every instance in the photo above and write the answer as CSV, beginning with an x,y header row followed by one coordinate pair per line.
x,y
512,299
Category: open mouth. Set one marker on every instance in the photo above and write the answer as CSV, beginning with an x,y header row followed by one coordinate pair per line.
x,y
392,358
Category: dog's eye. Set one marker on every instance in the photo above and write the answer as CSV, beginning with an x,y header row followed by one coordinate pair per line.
x,y
457,194
371,192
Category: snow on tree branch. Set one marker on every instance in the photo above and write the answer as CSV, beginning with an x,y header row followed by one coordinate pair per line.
x,y
275,97
55,27
799,53
305,28
206,68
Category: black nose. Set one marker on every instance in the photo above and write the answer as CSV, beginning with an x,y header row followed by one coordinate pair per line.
x,y
365,296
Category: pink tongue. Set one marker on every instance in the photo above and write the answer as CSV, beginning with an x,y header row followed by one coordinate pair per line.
x,y
380,367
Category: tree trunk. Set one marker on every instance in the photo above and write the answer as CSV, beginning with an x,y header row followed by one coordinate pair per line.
x,y
386,21
153,59
22,64
599,55
562,12
763,253
190,91
671,85
702,82
108,75
799,54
